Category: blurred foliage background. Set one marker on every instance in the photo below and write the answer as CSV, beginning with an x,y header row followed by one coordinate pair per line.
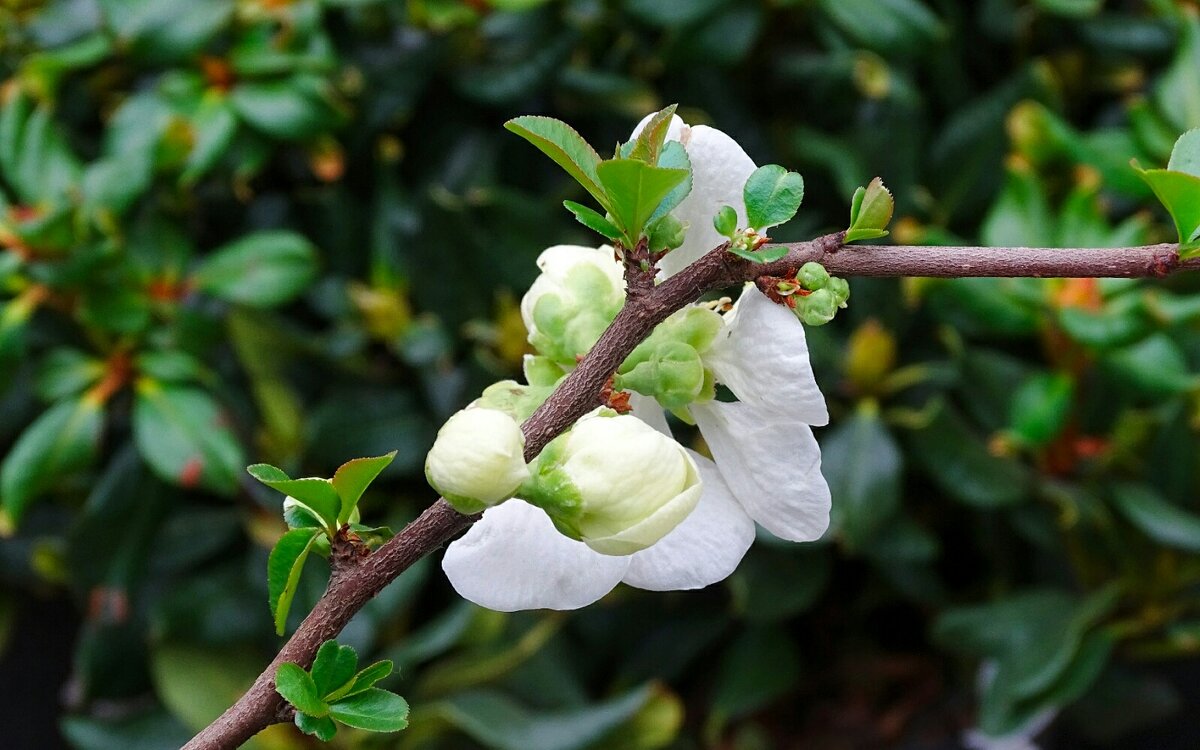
x,y
294,231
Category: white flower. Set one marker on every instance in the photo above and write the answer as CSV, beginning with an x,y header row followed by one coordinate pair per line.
x,y
578,293
617,484
767,463
720,168
477,459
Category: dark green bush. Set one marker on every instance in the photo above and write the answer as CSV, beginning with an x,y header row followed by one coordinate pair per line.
x,y
295,231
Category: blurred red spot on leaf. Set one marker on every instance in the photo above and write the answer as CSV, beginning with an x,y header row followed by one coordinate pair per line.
x,y
189,475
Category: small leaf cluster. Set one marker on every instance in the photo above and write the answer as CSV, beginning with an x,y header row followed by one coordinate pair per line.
x,y
335,689
871,211
317,511
1178,188
812,294
772,196
638,187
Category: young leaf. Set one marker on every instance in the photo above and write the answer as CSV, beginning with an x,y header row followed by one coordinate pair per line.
x,y
725,222
300,516
374,710
593,220
318,495
352,479
766,255
673,156
665,233
649,141
1185,156
283,575
772,195
322,728
566,148
367,678
333,668
635,190
857,235
297,687
870,212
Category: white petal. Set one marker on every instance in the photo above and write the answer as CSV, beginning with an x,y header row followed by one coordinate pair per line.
x,y
647,409
720,169
772,464
763,358
702,550
513,559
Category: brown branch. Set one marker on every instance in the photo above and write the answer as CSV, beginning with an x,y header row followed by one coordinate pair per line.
x,y
356,584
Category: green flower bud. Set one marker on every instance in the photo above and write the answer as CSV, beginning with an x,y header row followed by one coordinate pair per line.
x,y
615,483
725,222
840,288
813,276
818,308
477,459
673,374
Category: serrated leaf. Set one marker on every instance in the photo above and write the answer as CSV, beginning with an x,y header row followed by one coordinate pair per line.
x,y
871,209
374,710
297,688
353,477
772,195
367,678
263,269
649,141
635,190
673,156
1185,156
297,515
62,440
566,148
334,667
318,495
321,727
593,220
283,574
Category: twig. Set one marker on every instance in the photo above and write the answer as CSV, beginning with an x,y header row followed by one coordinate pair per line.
x,y
576,396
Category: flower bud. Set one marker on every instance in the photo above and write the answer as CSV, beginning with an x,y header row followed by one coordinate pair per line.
x,y
615,483
818,308
813,276
477,459
578,294
673,374
840,288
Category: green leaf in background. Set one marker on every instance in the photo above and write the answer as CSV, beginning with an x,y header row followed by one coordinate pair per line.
x,y
297,688
593,220
352,479
322,727
62,440
263,269
1162,521
197,683
316,494
66,372
870,212
333,668
635,190
1040,408
757,668
290,109
283,574
961,464
863,466
566,148
773,196
185,437
215,123
373,709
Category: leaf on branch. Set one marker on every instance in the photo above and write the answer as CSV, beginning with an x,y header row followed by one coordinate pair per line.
x,y
649,141
566,148
870,212
297,688
1178,189
334,668
319,496
283,576
636,189
766,255
373,709
592,219
322,727
352,479
773,196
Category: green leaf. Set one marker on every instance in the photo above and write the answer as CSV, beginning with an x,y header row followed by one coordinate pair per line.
x,y
870,212
374,710
322,727
65,372
61,441
352,479
198,683
1040,408
1185,155
768,254
318,495
215,124
725,222
758,667
1179,193
773,196
673,156
297,688
1162,521
283,573
334,667
294,108
185,437
593,220
649,141
864,469
961,464
566,148
635,190
263,269
368,677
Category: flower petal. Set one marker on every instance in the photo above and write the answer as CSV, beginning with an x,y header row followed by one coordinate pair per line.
x,y
705,548
648,410
513,559
763,358
720,169
772,463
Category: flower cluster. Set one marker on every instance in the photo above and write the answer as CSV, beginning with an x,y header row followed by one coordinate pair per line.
x,y
617,499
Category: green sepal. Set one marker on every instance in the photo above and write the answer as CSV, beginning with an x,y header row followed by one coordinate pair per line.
x,y
541,371
665,233
283,572
673,375
297,688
